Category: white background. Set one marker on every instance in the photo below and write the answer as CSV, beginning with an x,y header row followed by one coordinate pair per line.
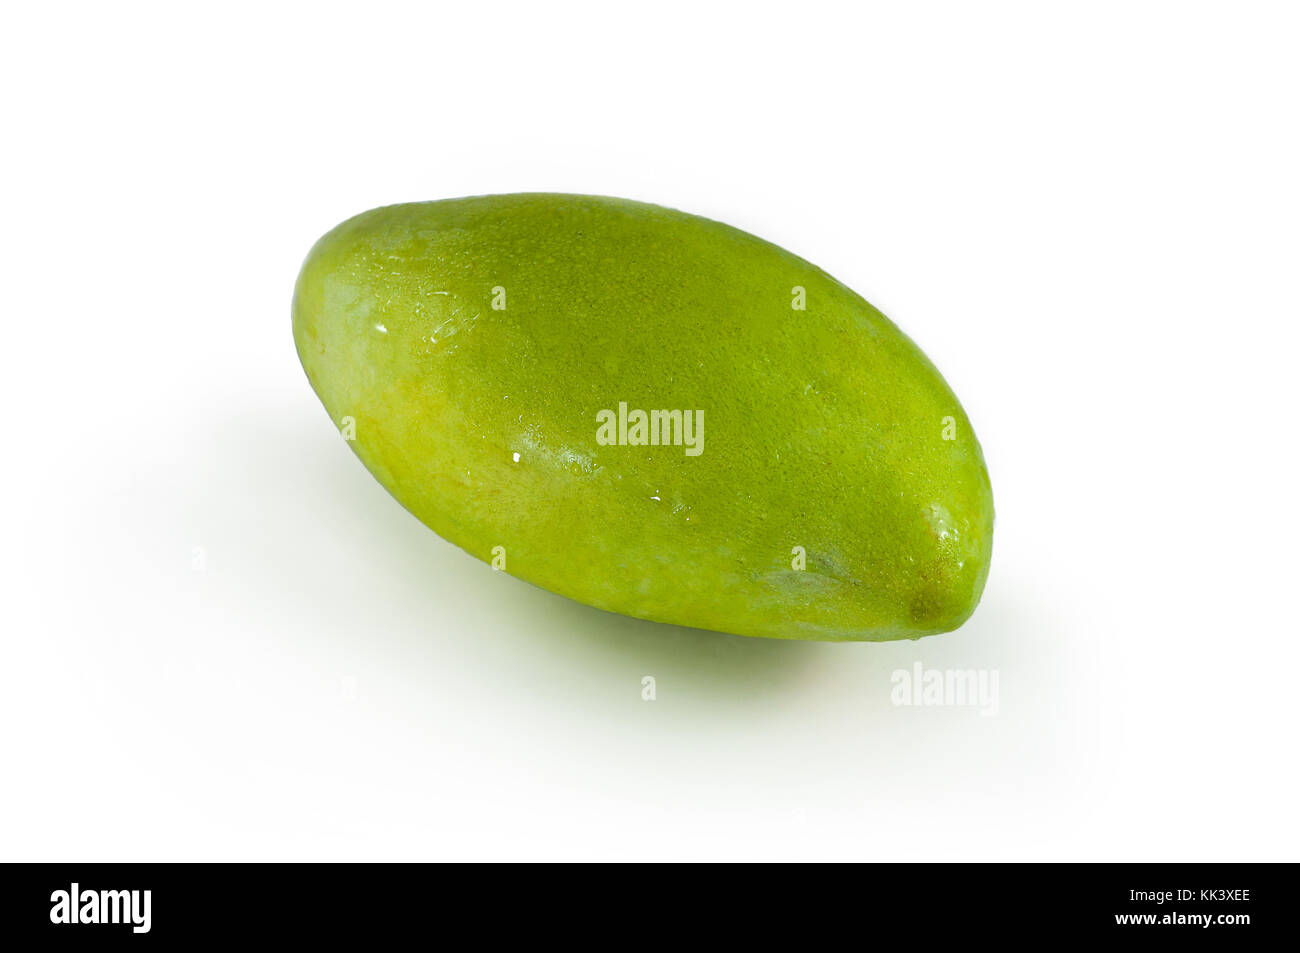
x,y
222,639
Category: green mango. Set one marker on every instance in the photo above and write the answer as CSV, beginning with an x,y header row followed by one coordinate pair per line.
x,y
651,413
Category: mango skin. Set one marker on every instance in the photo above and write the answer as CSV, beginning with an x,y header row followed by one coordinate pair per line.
x,y
824,428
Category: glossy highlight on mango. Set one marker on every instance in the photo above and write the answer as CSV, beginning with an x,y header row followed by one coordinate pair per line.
x,y
651,413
